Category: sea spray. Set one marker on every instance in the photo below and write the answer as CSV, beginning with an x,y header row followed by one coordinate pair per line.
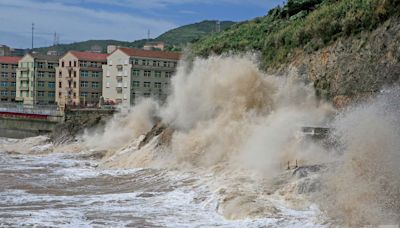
x,y
123,127
364,186
231,119
235,126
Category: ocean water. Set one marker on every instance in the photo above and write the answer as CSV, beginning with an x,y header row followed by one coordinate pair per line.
x,y
64,190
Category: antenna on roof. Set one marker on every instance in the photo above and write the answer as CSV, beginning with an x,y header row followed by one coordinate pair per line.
x,y
33,29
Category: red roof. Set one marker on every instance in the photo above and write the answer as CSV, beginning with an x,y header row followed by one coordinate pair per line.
x,y
151,54
91,56
9,59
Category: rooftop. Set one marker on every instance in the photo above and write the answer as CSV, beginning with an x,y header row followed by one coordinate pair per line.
x,y
45,57
9,59
91,56
151,54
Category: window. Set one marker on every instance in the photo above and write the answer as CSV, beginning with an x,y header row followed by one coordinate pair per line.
x,y
70,63
74,63
13,93
13,84
51,85
4,66
74,84
147,94
84,84
157,85
59,85
136,61
147,73
83,64
40,65
41,74
50,65
74,74
60,74
40,93
158,74
166,85
95,95
136,84
165,64
51,94
14,66
146,84
4,84
4,74
52,74
4,93
95,85
168,74
84,94
13,75
136,72
119,68
84,74
95,74
40,83
62,64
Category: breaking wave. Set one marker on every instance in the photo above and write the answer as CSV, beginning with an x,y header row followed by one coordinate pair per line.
x,y
239,130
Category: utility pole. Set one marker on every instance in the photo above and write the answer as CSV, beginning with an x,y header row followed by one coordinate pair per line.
x,y
148,35
218,27
33,29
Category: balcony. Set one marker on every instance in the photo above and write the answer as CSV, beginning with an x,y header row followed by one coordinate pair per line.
x,y
24,88
23,69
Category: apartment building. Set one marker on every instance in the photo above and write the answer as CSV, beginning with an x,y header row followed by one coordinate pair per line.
x,y
35,82
134,73
8,74
79,78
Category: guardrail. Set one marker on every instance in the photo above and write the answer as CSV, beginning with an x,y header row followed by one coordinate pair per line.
x,y
50,110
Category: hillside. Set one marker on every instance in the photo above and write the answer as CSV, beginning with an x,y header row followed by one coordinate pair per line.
x,y
192,32
175,39
312,37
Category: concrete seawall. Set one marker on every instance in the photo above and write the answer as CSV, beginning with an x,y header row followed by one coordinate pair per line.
x,y
19,125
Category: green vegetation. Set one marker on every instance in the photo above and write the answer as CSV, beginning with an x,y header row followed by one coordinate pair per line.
x,y
190,33
174,39
301,24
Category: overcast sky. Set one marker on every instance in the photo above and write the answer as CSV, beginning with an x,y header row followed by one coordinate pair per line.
x,y
127,20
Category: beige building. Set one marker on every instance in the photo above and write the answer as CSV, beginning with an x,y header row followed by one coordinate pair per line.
x,y
35,82
154,46
134,73
79,78
8,74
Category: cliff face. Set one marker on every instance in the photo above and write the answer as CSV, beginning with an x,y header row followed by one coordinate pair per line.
x,y
352,68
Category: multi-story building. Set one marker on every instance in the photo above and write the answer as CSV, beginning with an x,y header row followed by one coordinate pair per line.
x,y
79,78
8,74
5,50
134,73
35,82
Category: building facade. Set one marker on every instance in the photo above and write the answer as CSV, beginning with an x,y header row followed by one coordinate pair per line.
x,y
131,74
8,74
79,78
35,82
5,50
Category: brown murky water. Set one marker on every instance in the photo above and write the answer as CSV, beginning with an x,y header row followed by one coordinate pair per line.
x,y
61,190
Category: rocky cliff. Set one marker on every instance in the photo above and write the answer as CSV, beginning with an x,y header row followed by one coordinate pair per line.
x,y
352,68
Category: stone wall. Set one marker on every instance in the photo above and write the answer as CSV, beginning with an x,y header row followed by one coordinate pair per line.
x,y
76,121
